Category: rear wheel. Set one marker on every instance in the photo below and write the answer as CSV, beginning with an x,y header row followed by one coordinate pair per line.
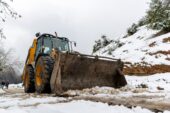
x,y
43,71
29,86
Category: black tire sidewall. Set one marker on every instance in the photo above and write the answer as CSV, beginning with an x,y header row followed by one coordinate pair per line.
x,y
47,64
31,87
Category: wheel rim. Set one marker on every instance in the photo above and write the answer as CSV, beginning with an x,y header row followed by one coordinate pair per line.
x,y
38,75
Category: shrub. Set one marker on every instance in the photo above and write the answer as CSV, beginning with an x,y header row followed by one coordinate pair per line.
x,y
103,42
132,30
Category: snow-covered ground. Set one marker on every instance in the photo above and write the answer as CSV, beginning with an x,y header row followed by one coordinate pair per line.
x,y
161,80
155,89
75,107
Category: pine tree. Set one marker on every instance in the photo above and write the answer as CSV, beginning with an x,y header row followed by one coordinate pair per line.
x,y
158,16
166,21
105,41
132,30
97,45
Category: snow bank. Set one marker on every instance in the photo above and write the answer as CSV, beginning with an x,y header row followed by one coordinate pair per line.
x,y
2,91
26,100
161,80
11,86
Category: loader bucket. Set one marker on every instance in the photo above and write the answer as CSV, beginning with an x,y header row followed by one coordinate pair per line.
x,y
77,71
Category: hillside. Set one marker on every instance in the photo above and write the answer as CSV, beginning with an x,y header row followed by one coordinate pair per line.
x,y
145,52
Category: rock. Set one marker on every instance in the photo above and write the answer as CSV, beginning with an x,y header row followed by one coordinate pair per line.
x,y
160,88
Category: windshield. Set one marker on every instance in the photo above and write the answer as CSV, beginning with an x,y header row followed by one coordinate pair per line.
x,y
47,45
60,44
47,42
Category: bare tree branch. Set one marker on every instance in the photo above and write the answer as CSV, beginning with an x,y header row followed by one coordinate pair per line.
x,y
7,60
6,11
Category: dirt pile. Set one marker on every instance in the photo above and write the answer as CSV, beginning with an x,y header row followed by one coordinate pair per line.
x,y
166,40
145,70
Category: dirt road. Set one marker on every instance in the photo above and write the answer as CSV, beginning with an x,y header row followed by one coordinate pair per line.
x,y
156,101
150,92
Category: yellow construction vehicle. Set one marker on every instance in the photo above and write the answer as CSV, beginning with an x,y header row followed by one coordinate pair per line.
x,y
52,66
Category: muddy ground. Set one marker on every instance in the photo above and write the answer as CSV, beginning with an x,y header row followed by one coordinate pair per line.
x,y
156,102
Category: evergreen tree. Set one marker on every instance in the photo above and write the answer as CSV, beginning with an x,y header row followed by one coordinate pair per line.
x,y
158,16
132,30
104,41
142,22
97,45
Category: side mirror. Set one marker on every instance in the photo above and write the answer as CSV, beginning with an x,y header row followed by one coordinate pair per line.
x,y
56,34
37,34
75,44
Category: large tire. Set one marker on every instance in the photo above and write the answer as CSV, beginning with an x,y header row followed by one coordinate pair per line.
x,y
29,85
43,71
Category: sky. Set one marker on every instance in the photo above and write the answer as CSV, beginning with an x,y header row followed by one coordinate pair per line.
x,y
83,21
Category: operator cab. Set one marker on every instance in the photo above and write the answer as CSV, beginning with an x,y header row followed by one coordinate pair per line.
x,y
47,42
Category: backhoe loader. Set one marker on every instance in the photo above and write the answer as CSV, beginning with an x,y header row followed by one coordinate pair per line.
x,y
53,67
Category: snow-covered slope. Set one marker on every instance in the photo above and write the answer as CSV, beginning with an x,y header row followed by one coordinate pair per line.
x,y
142,48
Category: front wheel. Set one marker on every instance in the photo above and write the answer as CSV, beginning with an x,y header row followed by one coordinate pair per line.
x,y
43,71
29,80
